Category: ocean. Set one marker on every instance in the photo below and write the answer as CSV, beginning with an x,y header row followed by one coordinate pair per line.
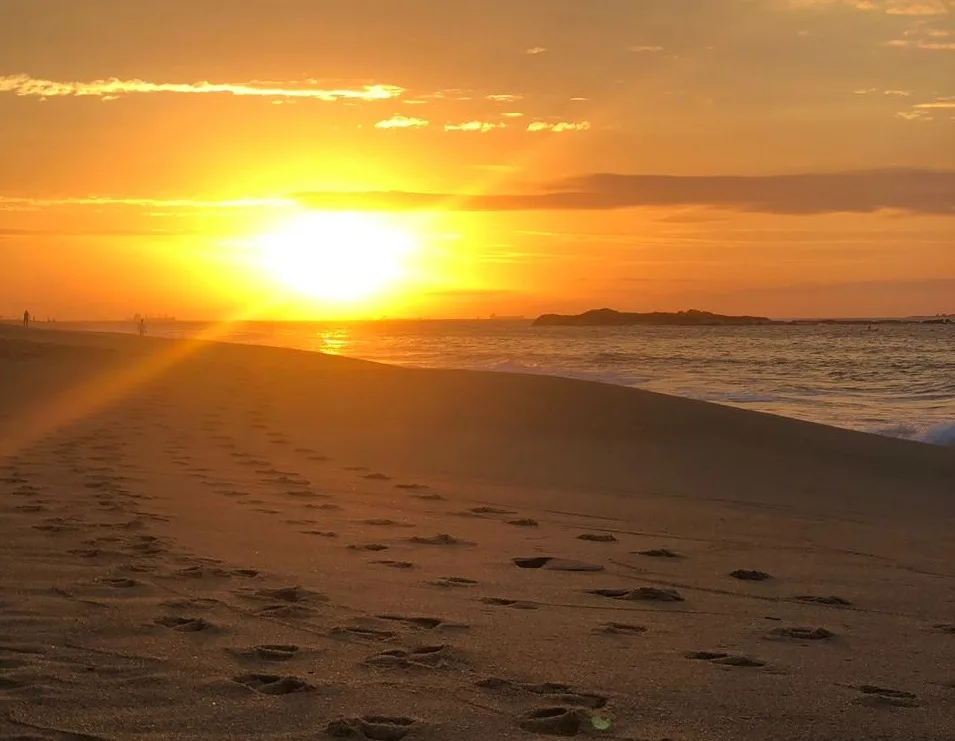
x,y
896,380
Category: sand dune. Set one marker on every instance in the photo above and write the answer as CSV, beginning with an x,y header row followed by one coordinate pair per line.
x,y
216,541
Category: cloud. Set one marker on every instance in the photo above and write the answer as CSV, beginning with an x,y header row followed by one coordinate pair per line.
x,y
559,128
471,292
876,91
26,86
536,50
15,203
645,49
940,103
921,44
908,190
481,127
504,98
97,232
913,116
402,122
890,7
910,7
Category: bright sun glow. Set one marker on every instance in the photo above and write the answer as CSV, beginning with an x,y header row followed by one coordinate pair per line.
x,y
336,256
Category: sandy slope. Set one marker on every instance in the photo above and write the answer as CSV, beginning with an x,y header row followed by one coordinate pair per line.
x,y
235,542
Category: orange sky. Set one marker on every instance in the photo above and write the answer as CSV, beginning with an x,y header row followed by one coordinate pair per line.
x,y
146,148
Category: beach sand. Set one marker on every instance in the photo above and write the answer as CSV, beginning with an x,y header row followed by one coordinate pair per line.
x,y
219,541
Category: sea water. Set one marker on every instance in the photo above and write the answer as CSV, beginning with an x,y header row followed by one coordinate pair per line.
x,y
888,379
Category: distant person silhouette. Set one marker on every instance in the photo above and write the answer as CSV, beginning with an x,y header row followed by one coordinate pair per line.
x,y
26,319
142,327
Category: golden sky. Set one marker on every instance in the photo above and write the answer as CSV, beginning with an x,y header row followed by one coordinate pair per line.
x,y
773,157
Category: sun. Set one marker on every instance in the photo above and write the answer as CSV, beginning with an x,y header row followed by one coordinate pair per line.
x,y
335,255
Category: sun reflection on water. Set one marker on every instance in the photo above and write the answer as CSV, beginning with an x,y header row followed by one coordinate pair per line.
x,y
334,342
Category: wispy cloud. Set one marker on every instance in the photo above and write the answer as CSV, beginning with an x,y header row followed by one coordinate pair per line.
x,y
560,127
908,190
645,49
402,122
480,127
890,7
29,203
26,86
536,50
917,7
876,91
921,44
913,116
940,103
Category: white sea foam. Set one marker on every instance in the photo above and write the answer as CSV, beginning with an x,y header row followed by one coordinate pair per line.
x,y
940,434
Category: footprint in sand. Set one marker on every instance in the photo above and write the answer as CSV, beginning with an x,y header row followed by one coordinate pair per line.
x,y
31,508
367,547
424,623
197,603
373,727
439,539
452,582
293,594
524,522
659,553
555,564
377,477
273,684
364,632
948,628
432,497
321,533
431,657
621,629
831,600
306,494
490,511
184,624
384,522
505,602
875,696
395,564
268,652
288,481
203,572
284,611
554,721
412,487
725,659
119,582
644,594
598,537
802,634
750,575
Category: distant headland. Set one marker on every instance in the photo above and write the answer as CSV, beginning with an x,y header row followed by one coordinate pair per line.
x,y
697,318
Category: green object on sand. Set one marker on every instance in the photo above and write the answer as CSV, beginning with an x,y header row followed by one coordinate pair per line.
x,y
600,723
